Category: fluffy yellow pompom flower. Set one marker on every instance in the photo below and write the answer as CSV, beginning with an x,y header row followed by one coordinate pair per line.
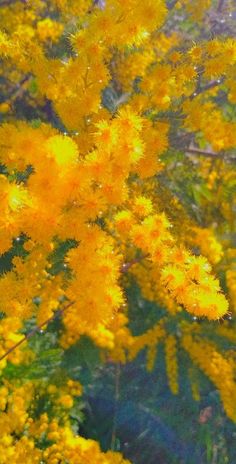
x,y
142,206
13,196
63,149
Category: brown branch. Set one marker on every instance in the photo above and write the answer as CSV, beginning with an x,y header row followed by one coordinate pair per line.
x,y
125,267
197,151
208,86
11,2
220,6
18,89
36,329
172,4
117,395
208,154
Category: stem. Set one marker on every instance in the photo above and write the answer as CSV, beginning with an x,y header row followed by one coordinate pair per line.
x,y
209,154
208,86
117,395
197,151
18,89
11,2
220,6
172,4
126,266
36,329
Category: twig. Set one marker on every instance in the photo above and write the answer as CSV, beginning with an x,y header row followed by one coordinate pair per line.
x,y
206,87
11,2
36,329
126,266
220,6
117,395
209,154
18,88
171,4
197,151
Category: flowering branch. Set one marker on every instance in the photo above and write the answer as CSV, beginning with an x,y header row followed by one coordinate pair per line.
x,y
36,329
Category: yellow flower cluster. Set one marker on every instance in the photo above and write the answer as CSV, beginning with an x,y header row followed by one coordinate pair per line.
x,y
148,276
187,277
75,449
194,384
231,284
19,433
205,118
196,9
150,340
219,368
208,244
114,96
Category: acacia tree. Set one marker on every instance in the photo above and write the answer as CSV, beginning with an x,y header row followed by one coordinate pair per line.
x,y
117,199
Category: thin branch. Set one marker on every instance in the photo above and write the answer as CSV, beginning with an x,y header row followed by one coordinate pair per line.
x,y
36,329
117,395
197,151
171,4
18,88
126,266
11,2
209,154
220,6
208,86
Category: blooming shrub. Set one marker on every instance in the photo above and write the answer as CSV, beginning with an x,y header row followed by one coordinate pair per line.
x,y
117,171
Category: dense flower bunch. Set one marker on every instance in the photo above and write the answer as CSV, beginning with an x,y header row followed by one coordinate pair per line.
x,y
65,446
88,199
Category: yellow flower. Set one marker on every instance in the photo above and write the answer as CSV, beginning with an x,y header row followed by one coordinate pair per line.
x,y
63,149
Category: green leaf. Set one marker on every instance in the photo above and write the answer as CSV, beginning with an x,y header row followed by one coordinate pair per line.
x,y
44,366
81,359
33,86
201,191
36,123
